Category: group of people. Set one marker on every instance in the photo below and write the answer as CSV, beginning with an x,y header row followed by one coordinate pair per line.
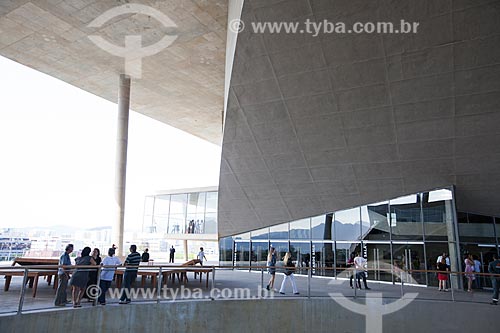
x,y
288,273
80,279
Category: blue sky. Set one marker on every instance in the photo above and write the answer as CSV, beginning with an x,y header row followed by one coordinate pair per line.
x,y
57,151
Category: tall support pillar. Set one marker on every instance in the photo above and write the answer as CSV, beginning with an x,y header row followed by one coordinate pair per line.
x,y
121,160
186,255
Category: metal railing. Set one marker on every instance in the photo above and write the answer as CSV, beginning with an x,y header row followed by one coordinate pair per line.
x,y
160,271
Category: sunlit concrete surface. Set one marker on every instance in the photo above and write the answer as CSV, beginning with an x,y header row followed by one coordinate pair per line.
x,y
182,85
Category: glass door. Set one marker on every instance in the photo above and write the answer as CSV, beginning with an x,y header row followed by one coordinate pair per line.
x,y
379,261
407,257
260,249
242,253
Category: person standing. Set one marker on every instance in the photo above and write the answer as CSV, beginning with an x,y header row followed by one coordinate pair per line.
x,y
96,255
288,275
477,269
107,274
360,267
469,269
145,256
63,277
80,277
494,268
172,255
271,262
132,265
201,256
443,274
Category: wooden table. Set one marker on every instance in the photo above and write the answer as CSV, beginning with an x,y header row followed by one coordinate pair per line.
x,y
33,273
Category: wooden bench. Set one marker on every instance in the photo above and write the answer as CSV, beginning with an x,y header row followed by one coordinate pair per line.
x,y
33,273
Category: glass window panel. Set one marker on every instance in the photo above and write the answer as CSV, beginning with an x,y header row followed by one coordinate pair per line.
x,y
375,225
211,203
176,224
301,256
409,257
479,229
260,234
226,251
438,217
405,218
196,202
440,195
178,204
279,231
149,205
300,229
433,250
260,249
281,249
344,251
161,205
379,261
347,225
242,253
323,258
321,227
246,235
209,225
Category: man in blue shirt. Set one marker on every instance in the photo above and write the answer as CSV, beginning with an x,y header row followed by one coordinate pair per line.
x,y
63,277
494,268
132,265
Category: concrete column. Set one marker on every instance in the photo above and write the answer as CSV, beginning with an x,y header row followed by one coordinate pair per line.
x,y
186,256
121,160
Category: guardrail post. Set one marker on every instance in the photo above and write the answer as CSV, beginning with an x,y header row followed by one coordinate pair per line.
x,y
309,276
98,284
402,283
213,278
261,291
159,284
23,291
451,287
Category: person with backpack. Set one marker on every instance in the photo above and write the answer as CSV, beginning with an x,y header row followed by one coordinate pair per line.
x,y
288,275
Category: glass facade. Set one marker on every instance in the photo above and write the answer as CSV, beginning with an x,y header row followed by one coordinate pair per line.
x,y
401,234
184,213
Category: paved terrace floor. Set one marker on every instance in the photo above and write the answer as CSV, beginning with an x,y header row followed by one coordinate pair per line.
x,y
229,284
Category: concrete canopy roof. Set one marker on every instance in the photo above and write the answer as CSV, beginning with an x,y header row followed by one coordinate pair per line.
x,y
321,124
182,85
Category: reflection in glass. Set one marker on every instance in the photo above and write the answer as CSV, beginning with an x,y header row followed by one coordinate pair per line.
x,y
226,251
242,253
260,234
300,229
344,251
379,261
301,255
279,231
438,215
323,257
196,213
347,225
260,249
405,218
477,228
321,227
209,226
147,222
409,257
433,250
375,225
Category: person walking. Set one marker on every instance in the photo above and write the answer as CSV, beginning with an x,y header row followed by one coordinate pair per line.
x,y
132,265
172,255
360,264
107,274
443,274
201,256
80,277
469,269
494,268
63,277
288,275
271,262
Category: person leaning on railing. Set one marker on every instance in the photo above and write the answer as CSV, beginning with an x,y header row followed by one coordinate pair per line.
x,y
63,277
494,268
